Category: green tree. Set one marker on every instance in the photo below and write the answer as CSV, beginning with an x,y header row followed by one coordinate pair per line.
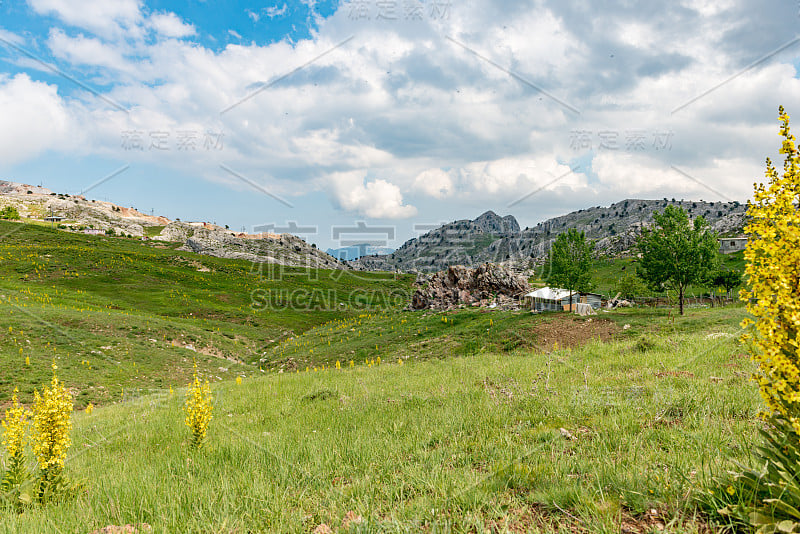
x,y
9,213
677,252
725,278
570,262
630,286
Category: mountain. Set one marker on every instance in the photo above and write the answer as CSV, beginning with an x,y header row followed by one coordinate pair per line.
x,y
76,213
356,251
491,238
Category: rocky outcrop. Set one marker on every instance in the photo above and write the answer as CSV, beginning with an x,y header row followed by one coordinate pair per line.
x,y
461,286
284,249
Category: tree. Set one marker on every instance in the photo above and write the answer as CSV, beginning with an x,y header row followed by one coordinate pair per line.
x,y
630,286
676,253
9,213
570,262
725,278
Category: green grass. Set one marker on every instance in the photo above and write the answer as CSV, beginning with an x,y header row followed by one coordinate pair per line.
x,y
496,420
152,231
463,443
606,273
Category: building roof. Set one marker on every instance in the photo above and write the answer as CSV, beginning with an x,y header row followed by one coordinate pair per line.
x,y
550,293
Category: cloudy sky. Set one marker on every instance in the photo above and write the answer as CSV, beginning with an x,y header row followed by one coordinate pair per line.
x,y
397,113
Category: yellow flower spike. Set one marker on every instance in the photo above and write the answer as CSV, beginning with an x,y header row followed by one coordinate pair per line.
x,y
198,409
28,361
14,424
338,364
52,413
239,380
89,409
378,360
399,361
171,392
352,363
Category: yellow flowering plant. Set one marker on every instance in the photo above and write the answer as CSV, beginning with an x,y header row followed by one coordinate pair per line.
x,y
14,425
767,498
198,409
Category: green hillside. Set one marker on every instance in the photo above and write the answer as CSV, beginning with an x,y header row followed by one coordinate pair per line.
x,y
119,313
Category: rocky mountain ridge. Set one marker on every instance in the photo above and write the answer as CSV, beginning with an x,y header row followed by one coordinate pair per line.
x,y
491,238
76,213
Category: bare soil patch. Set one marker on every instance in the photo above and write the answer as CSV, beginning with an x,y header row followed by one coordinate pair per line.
x,y
570,331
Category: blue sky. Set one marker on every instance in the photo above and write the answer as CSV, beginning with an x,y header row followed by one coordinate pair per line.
x,y
398,113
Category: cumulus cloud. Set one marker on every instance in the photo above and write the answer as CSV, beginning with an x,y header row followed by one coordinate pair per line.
x,y
34,119
170,25
376,198
102,17
398,109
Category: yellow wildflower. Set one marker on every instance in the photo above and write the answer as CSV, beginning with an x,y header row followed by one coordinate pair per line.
x,y
14,428
239,380
198,409
89,408
52,413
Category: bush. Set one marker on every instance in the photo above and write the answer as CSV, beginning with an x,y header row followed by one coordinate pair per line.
x,y
9,213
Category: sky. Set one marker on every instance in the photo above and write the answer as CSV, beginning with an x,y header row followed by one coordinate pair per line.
x,y
375,119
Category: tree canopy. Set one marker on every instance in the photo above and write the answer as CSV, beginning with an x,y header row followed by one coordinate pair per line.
x,y
570,262
676,252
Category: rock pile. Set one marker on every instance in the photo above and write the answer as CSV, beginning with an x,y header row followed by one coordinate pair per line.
x,y
485,285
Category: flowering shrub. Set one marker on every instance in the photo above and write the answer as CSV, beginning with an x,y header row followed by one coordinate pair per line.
x,y
14,426
768,497
52,411
198,409
773,257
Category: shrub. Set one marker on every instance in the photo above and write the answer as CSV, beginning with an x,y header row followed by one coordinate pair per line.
x,y
768,497
198,409
9,213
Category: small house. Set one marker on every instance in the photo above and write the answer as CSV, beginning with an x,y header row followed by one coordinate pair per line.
x,y
93,231
554,299
53,218
729,245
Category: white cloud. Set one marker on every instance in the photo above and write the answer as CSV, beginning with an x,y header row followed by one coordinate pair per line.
x,y
435,183
378,198
83,50
103,17
423,115
170,25
275,11
34,120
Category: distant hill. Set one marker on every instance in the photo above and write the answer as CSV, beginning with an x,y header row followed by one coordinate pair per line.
x,y
356,251
492,238
79,214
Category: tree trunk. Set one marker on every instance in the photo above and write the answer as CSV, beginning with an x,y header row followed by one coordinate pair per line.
x,y
680,298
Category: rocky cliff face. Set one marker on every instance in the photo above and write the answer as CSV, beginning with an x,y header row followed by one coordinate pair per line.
x,y
491,238
461,286
283,249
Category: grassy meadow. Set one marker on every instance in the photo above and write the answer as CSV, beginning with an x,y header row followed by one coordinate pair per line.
x,y
465,421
